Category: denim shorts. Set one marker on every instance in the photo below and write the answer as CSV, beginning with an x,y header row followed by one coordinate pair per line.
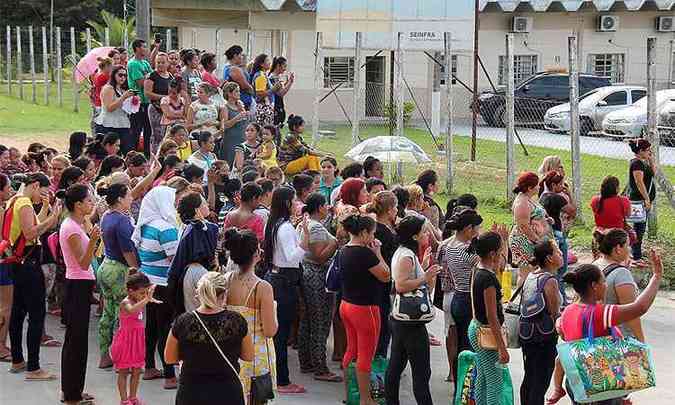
x,y
6,275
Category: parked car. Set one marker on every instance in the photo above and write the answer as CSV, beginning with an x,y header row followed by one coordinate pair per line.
x,y
534,96
631,122
593,107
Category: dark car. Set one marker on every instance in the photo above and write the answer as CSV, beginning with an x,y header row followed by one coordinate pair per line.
x,y
534,96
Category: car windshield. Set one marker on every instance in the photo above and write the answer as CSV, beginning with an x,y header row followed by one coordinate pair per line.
x,y
590,93
661,97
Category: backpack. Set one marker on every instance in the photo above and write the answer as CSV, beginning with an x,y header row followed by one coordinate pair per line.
x,y
11,254
536,324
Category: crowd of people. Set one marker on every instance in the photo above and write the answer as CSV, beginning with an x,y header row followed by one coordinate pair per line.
x,y
205,237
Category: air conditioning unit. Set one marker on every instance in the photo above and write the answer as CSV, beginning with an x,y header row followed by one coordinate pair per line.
x,y
608,23
521,24
665,24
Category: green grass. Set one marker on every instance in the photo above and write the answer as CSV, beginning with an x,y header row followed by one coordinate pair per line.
x,y
485,178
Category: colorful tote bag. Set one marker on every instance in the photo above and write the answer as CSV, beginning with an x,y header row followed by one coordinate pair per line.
x,y
465,394
377,372
606,367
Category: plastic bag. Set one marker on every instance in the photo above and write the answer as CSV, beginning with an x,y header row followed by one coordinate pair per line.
x,y
465,394
377,372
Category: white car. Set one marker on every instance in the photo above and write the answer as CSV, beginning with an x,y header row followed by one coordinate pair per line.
x,y
631,121
593,107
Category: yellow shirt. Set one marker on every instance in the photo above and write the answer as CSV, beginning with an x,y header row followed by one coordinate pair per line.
x,y
271,149
15,230
261,82
184,151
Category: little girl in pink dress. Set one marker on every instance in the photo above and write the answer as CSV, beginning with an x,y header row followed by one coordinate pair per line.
x,y
128,346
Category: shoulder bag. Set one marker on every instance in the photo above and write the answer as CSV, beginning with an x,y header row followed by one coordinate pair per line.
x,y
262,388
484,335
415,305
234,370
638,210
334,274
512,319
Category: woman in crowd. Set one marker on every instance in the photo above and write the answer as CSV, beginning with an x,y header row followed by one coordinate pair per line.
x,y
458,264
428,181
209,342
253,299
590,285
539,349
156,87
329,176
235,121
174,62
609,209
284,251
372,167
72,175
191,74
100,78
109,165
179,135
486,301
530,220
264,90
243,217
29,279
248,149
363,269
410,340
315,325
166,148
172,166
283,82
59,164
417,206
203,115
111,144
6,283
303,186
119,256
113,118
295,155
76,143
383,205
87,166
156,239
204,158
194,255
641,187
209,65
78,246
173,107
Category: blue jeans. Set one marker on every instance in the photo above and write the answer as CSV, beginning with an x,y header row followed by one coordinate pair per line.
x,y
564,247
285,286
640,228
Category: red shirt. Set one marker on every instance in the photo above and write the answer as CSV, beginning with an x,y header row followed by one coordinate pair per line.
x,y
210,79
100,80
572,321
614,211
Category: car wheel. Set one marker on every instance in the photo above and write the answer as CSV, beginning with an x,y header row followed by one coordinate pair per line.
x,y
585,126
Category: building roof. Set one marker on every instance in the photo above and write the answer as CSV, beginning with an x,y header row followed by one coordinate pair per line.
x,y
574,5
275,5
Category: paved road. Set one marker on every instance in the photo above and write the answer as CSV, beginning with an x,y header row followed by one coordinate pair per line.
x,y
597,146
658,325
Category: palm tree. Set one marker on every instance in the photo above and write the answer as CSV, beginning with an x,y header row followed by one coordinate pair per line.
x,y
116,27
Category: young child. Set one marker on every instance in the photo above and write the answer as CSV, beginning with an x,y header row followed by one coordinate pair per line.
x,y
128,346
267,152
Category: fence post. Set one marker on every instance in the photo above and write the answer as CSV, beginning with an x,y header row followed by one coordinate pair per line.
x,y
398,86
88,39
59,68
193,40
45,64
652,131
510,118
106,36
574,122
250,44
73,57
356,90
168,40
449,181
19,62
9,60
31,51
318,64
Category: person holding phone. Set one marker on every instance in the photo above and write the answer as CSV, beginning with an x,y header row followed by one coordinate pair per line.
x,y
113,118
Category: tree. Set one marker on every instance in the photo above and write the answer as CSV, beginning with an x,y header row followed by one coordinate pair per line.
x,y
67,13
116,27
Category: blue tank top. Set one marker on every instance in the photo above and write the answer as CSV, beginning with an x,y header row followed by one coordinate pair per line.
x,y
246,98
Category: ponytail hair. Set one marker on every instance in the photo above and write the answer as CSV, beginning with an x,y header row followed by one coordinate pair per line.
x,y
525,181
608,189
542,251
462,219
210,288
551,178
356,223
638,145
608,241
241,245
485,244
582,277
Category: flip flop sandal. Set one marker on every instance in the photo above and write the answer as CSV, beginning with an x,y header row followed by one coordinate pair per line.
x,y
50,343
328,377
556,396
153,376
7,358
45,377
85,397
17,370
291,389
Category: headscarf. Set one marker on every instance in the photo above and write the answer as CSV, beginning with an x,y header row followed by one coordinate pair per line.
x,y
158,203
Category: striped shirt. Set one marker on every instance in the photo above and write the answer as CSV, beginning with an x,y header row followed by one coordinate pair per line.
x,y
460,264
159,242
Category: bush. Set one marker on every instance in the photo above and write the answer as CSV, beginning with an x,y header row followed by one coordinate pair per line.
x,y
408,108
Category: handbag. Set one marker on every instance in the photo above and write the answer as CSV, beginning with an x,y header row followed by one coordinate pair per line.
x,y
484,335
465,393
415,305
512,319
638,209
262,388
602,368
334,274
234,370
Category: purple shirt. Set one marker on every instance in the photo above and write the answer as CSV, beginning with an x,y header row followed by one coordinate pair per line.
x,y
116,230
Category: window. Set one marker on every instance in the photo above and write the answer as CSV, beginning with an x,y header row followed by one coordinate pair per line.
x,y
618,98
524,66
338,69
635,95
611,65
453,69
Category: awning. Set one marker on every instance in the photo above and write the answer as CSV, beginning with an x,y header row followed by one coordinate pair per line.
x,y
573,5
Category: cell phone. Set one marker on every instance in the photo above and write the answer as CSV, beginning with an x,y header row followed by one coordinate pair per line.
x,y
158,38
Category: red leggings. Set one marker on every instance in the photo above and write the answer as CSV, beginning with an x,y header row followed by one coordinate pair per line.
x,y
362,326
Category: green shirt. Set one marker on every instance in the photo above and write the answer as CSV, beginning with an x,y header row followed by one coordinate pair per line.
x,y
136,70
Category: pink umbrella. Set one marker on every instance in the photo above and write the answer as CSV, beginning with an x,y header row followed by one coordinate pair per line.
x,y
89,63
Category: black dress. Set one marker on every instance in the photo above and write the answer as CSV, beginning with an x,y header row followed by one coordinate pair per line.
x,y
205,378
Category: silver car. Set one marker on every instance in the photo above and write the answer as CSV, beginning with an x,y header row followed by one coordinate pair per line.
x,y
593,107
630,122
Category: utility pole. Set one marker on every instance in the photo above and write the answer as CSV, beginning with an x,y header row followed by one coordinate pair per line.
x,y
143,20
476,26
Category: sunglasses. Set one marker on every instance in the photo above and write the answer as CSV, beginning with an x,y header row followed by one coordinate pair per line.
x,y
122,74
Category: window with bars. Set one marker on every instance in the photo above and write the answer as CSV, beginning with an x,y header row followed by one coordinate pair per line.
x,y
453,69
338,69
610,65
524,66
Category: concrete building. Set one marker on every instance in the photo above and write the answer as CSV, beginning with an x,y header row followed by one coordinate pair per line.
x,y
612,39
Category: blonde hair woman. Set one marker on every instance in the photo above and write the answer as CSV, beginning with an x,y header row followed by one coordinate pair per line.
x,y
209,342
